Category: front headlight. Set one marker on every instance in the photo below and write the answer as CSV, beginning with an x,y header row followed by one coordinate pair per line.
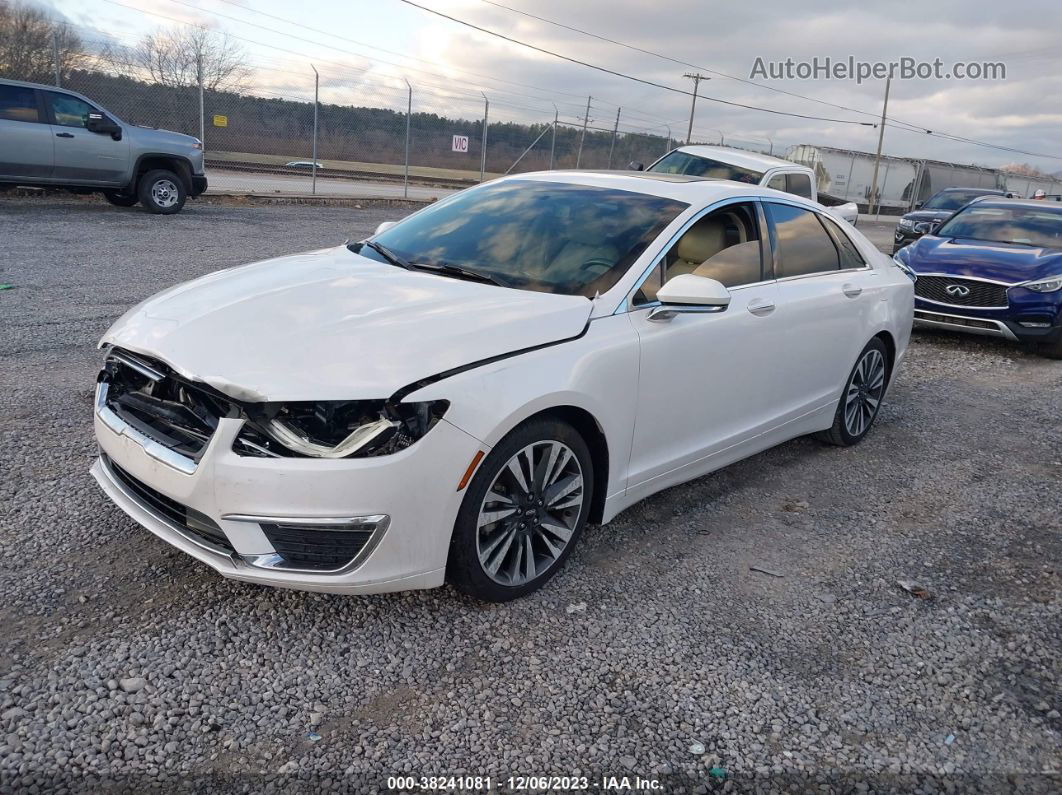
x,y
1052,284
899,263
924,227
336,429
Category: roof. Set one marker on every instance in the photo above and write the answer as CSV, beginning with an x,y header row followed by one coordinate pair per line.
x,y
1028,204
985,191
740,158
696,191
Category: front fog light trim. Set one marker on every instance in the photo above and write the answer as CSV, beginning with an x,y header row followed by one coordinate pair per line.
x,y
374,524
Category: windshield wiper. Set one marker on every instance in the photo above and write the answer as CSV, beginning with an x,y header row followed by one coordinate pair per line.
x,y
458,273
388,255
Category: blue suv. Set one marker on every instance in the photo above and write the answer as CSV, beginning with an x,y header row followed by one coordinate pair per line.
x,y
993,268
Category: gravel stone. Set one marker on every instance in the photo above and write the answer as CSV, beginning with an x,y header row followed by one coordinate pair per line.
x,y
957,487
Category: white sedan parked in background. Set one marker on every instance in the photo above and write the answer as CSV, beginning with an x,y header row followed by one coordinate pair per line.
x,y
455,397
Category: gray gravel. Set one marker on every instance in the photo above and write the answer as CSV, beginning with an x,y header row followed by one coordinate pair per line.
x,y
127,666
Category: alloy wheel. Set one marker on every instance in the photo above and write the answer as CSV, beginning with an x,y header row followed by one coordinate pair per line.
x,y
864,392
164,193
529,513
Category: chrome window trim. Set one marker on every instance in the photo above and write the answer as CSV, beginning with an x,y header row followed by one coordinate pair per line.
x,y
626,304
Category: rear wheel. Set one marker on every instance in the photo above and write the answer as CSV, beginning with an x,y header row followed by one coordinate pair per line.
x,y
523,513
162,192
120,199
861,398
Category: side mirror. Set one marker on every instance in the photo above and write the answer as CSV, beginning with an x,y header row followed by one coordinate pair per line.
x,y
384,227
688,294
918,205
99,123
635,165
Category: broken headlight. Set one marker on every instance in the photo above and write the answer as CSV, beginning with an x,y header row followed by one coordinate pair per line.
x,y
336,429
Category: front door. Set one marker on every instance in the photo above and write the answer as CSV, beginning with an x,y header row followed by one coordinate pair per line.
x,y
82,156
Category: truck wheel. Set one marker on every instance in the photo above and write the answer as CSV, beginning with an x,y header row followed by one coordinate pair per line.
x,y
120,199
162,192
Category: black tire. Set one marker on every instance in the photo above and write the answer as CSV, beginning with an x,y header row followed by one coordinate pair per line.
x,y
162,192
464,569
841,433
120,199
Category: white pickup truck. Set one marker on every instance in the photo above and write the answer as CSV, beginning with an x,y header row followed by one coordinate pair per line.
x,y
718,162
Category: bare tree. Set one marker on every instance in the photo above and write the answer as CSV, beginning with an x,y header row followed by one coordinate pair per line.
x,y
29,39
178,57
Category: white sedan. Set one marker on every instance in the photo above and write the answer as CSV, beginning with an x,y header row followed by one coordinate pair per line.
x,y
454,398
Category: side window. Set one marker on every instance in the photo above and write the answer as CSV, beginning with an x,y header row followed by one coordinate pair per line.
x,y
777,182
723,245
850,256
69,111
18,104
798,184
802,242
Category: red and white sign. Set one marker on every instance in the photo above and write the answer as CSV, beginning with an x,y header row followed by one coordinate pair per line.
x,y
460,143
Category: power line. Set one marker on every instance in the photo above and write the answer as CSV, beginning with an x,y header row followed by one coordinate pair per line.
x,y
614,73
896,123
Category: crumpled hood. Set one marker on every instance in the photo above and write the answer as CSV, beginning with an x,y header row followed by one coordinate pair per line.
x,y
1005,262
333,325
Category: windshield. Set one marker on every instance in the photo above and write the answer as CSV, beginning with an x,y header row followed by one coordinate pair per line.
x,y
683,163
1021,225
546,236
952,200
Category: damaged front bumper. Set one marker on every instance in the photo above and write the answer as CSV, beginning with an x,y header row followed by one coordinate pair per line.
x,y
349,525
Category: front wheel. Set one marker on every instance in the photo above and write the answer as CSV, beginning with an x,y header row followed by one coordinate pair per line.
x,y
523,513
162,192
861,397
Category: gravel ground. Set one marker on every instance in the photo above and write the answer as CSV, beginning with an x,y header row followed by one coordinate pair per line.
x,y
127,666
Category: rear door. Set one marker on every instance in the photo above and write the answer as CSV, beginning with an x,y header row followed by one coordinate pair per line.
x,y
826,293
82,156
27,149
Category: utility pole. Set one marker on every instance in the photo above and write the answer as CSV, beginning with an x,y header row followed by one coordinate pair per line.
x,y
696,77
55,58
553,142
615,131
586,120
877,157
409,114
316,81
483,141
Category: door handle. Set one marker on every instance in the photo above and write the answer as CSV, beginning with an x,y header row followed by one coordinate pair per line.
x,y
64,135
852,290
760,307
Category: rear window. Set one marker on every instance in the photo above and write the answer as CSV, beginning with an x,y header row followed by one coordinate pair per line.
x,y
18,104
683,163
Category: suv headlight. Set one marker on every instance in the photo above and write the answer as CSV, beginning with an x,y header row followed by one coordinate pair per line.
x,y
899,263
336,429
1052,284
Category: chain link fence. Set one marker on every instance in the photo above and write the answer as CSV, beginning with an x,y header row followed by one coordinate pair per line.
x,y
408,140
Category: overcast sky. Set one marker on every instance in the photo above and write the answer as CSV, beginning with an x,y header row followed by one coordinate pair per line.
x,y
449,65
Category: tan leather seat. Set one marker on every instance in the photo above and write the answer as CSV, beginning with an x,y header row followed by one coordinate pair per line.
x,y
703,240
732,266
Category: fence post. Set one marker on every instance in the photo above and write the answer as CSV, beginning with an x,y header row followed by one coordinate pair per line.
x,y
202,112
615,130
313,167
55,57
483,142
586,120
553,141
409,114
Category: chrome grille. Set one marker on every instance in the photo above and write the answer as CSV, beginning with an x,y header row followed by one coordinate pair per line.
x,y
956,291
159,404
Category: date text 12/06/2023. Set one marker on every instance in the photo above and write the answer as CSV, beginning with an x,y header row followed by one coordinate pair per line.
x,y
606,783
